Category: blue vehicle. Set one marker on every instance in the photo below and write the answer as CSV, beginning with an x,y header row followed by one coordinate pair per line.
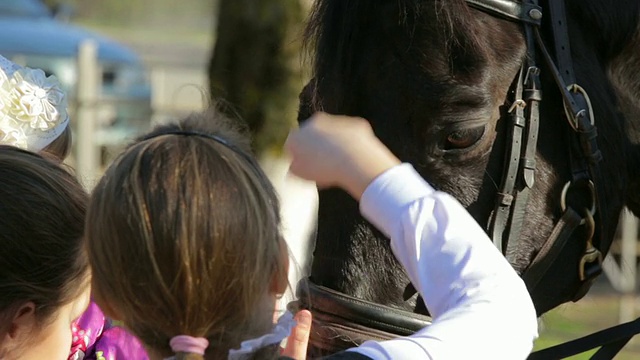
x,y
32,35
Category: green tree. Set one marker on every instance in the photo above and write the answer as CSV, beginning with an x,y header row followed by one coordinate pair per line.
x,y
256,65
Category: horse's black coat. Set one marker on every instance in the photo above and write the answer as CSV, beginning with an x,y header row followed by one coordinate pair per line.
x,y
421,71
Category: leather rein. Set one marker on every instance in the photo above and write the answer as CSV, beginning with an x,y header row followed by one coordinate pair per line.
x,y
342,321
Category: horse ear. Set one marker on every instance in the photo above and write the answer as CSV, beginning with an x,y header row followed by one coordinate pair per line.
x,y
306,97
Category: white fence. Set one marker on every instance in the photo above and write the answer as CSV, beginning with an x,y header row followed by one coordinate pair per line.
x,y
86,154
622,274
176,92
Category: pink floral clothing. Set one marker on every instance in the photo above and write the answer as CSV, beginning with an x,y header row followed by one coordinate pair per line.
x,y
95,337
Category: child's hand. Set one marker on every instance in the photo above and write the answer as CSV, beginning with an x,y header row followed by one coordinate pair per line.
x,y
338,151
299,339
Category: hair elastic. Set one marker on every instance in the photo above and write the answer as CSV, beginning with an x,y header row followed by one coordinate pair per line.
x,y
188,344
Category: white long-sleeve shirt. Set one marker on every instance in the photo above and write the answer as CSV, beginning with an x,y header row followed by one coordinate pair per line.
x,y
480,307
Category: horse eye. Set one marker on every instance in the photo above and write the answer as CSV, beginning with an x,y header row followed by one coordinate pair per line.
x,y
463,139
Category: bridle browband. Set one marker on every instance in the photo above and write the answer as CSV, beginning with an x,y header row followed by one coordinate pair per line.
x,y
342,321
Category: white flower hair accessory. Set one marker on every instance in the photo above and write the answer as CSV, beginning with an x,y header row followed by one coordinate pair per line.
x,y
33,107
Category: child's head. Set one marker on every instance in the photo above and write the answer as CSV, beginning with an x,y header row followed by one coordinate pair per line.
x,y
44,270
33,111
183,238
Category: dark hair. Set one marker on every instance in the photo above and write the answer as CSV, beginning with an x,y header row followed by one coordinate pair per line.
x,y
61,146
42,259
183,237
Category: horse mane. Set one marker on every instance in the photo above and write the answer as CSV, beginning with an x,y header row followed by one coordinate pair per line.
x,y
338,32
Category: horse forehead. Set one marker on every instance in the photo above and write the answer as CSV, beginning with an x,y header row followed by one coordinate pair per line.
x,y
454,59
468,62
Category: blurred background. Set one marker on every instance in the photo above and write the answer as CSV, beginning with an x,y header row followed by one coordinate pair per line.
x,y
138,43
156,58
150,61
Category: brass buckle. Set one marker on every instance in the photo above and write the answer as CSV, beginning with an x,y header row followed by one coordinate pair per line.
x,y
592,192
531,72
517,104
591,255
573,118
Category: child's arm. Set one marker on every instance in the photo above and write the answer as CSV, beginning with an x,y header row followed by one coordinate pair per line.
x,y
481,308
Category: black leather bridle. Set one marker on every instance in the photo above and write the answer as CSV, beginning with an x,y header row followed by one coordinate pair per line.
x,y
584,156
346,321
520,164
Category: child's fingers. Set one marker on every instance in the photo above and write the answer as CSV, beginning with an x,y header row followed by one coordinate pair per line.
x,y
299,338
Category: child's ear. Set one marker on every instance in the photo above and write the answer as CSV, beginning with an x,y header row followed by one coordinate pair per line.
x,y
22,322
280,279
279,283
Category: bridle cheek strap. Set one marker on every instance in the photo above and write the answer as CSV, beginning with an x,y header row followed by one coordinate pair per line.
x,y
523,114
584,158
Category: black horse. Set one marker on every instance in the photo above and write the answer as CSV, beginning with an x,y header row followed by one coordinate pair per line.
x,y
439,81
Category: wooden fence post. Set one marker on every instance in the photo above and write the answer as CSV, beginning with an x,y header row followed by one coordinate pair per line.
x,y
623,276
88,90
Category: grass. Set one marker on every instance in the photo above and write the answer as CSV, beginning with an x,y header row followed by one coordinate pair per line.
x,y
571,321
559,329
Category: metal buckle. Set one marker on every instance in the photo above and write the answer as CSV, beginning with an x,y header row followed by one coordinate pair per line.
x,y
531,71
517,104
591,255
573,118
592,192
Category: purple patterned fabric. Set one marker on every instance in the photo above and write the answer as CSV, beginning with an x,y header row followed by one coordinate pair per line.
x,y
95,337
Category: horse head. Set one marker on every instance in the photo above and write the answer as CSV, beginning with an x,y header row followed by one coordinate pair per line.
x,y
436,79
